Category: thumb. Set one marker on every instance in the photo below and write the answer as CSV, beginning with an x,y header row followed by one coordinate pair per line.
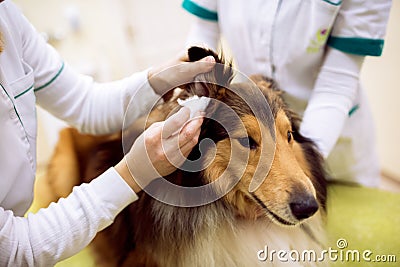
x,y
201,66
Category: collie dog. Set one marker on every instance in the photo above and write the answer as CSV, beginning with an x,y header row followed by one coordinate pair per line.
x,y
241,228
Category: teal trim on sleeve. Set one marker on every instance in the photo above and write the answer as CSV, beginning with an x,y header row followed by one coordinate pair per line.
x,y
27,90
199,11
353,109
357,46
52,80
337,3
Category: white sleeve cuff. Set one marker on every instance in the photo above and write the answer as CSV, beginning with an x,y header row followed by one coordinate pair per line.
x,y
140,98
113,191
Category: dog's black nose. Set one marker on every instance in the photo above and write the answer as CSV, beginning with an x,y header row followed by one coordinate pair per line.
x,y
304,207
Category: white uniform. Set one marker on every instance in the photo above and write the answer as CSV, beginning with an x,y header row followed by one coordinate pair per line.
x,y
314,49
31,72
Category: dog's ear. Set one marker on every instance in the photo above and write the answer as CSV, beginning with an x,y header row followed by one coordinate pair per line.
x,y
196,53
213,83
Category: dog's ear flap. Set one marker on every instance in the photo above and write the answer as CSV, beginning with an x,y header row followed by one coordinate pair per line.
x,y
213,83
196,53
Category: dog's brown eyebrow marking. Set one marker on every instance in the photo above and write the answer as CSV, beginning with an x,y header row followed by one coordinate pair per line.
x,y
252,127
282,122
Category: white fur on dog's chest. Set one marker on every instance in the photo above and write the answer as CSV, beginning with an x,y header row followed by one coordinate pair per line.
x,y
240,246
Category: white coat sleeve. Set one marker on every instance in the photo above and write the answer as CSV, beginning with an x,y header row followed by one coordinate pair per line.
x,y
360,27
358,31
97,108
204,33
89,106
65,227
333,97
204,30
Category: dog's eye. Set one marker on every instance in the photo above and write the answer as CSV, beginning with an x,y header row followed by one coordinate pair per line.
x,y
248,142
289,136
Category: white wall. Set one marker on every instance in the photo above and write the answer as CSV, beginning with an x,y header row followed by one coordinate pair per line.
x,y
121,36
381,78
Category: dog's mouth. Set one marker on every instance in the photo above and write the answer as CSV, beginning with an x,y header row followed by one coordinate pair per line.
x,y
269,212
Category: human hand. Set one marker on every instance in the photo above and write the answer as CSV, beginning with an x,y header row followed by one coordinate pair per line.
x,y
162,148
177,72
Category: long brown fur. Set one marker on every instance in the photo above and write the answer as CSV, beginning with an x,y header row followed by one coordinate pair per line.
x,y
230,230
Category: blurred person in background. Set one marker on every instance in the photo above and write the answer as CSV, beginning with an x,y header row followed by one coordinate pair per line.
x,y
315,50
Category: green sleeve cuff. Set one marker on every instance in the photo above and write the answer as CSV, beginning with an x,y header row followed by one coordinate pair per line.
x,y
199,11
357,46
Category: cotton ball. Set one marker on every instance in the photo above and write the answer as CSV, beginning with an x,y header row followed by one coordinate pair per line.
x,y
195,104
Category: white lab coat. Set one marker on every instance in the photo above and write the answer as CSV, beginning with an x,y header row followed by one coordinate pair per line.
x,y
31,73
314,49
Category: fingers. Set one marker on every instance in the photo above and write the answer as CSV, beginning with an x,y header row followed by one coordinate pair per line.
x,y
177,72
190,132
175,122
178,147
188,146
203,65
187,138
153,155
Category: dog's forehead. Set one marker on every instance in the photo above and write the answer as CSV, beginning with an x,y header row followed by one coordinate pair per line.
x,y
247,98
242,102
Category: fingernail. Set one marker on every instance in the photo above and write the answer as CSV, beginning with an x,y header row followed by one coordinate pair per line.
x,y
209,59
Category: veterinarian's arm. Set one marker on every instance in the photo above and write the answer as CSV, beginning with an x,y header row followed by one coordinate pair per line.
x,y
358,32
75,98
96,108
332,98
65,227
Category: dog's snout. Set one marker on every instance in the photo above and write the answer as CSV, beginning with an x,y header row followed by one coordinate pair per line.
x,y
303,207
